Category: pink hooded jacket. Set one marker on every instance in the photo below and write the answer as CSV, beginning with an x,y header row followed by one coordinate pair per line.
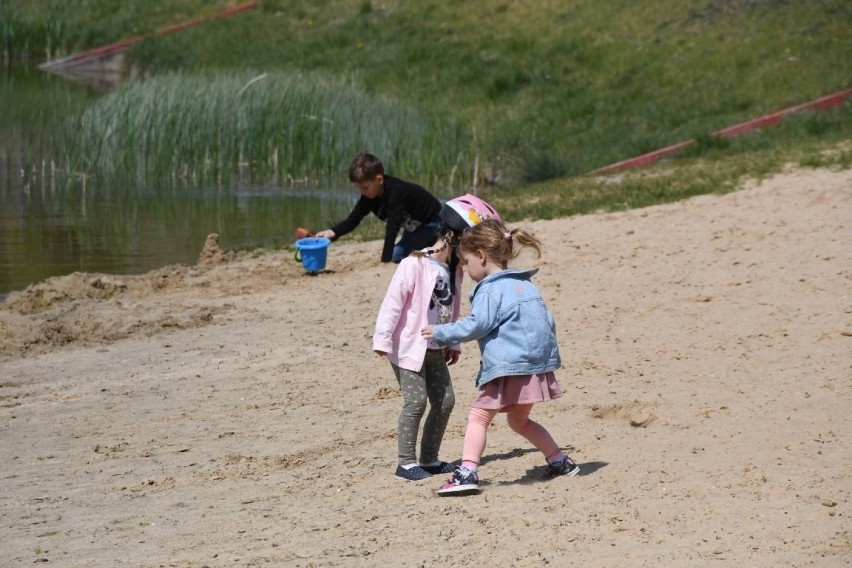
x,y
405,310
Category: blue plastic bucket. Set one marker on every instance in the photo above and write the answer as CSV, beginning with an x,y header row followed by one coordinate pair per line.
x,y
312,252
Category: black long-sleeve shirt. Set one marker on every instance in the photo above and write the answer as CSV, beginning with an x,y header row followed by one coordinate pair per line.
x,y
400,202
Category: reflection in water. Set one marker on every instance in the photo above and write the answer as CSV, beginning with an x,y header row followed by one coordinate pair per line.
x,y
48,231
48,234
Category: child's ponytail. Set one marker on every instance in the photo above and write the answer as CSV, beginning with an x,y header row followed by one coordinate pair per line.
x,y
495,240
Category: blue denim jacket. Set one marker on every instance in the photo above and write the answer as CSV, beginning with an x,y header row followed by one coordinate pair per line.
x,y
515,330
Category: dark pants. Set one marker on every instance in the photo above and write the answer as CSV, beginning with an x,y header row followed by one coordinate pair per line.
x,y
432,384
425,235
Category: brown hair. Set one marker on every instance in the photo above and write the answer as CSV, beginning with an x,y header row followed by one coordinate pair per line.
x,y
496,241
365,167
448,236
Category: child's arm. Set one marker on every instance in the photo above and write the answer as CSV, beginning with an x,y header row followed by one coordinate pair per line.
x,y
392,226
361,210
389,313
481,321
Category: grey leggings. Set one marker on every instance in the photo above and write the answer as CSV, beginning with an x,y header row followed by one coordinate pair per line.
x,y
431,384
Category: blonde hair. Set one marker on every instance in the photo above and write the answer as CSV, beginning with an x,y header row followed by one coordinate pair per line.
x,y
496,241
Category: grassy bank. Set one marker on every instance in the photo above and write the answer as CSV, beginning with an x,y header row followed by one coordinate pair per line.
x,y
551,89
543,90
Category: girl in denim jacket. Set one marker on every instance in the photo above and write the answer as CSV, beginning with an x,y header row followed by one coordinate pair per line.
x,y
517,339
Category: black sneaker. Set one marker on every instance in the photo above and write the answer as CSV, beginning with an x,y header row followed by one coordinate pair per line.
x,y
461,483
565,467
412,473
439,467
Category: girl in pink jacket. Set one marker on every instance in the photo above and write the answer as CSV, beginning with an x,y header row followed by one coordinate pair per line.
x,y
426,290
421,292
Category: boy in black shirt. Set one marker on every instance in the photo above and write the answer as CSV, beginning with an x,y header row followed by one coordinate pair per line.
x,y
401,204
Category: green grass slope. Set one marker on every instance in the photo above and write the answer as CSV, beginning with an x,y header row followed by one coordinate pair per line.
x,y
545,89
553,88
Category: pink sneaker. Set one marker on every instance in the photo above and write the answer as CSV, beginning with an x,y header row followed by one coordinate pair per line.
x,y
462,482
565,467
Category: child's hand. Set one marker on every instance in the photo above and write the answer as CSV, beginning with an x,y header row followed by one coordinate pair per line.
x,y
451,356
426,332
381,354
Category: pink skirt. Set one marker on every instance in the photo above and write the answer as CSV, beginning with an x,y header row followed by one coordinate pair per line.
x,y
505,392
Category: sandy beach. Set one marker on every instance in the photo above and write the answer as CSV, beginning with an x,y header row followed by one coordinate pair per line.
x,y
232,413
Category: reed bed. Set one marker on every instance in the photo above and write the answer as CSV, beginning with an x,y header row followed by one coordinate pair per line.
x,y
250,129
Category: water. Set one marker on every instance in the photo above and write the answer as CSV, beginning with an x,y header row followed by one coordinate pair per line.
x,y
127,234
48,231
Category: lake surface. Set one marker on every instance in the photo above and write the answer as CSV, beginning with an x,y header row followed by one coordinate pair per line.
x,y
46,231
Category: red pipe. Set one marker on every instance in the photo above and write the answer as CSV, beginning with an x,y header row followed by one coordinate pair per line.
x,y
227,12
124,44
822,103
826,102
645,159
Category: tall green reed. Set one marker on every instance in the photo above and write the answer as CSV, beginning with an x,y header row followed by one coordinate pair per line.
x,y
271,129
